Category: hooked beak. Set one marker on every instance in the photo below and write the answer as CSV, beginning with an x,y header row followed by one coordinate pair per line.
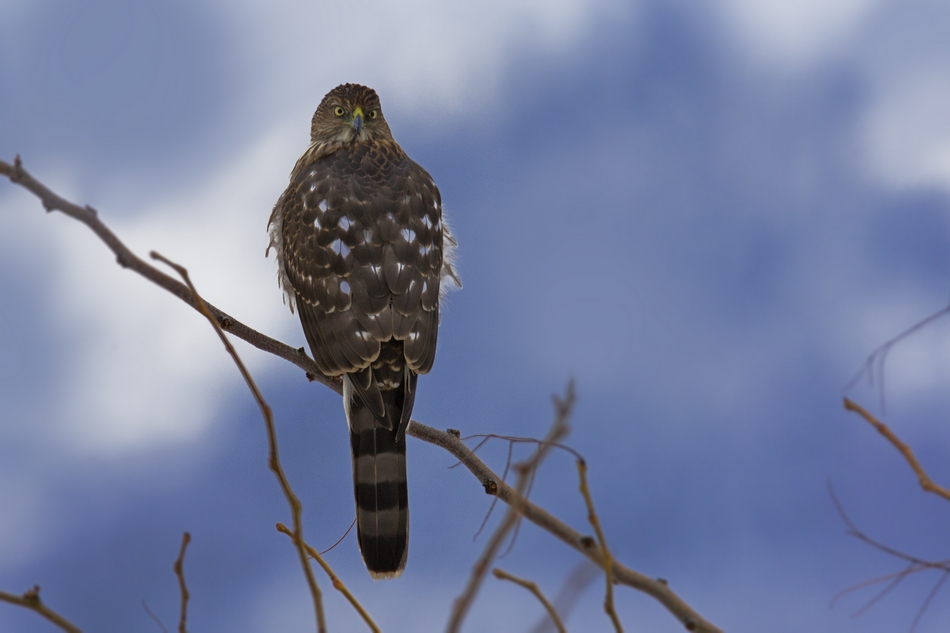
x,y
357,121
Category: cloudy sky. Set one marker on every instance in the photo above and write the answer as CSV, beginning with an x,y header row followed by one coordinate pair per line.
x,y
708,213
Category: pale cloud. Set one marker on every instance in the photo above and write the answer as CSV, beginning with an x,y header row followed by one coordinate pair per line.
x,y
919,365
897,53
424,56
907,129
898,49
794,33
900,55
144,369
916,368
140,367
22,520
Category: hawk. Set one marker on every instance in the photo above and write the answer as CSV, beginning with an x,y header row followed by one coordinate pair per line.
x,y
365,256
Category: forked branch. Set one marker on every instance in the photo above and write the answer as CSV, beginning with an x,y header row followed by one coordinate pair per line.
x,y
602,542
494,485
337,583
274,460
127,259
583,543
914,565
525,472
501,574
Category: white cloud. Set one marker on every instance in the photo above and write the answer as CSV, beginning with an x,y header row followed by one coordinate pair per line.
x,y
915,368
141,367
900,56
424,54
907,129
794,33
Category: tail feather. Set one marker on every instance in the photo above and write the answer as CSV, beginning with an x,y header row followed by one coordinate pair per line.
x,y
379,481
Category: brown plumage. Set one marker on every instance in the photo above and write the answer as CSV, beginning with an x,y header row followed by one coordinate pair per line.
x,y
364,255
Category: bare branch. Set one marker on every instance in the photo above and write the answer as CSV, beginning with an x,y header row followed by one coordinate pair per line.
x,y
274,461
180,572
31,600
858,534
127,259
154,617
512,440
533,588
504,477
337,583
604,552
492,483
584,544
525,470
895,579
915,565
925,482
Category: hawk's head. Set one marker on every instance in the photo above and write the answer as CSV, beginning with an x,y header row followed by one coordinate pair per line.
x,y
349,113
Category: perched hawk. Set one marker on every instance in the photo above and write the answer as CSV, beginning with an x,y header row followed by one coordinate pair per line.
x,y
365,256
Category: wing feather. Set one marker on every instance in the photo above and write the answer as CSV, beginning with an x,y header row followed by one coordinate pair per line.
x,y
362,245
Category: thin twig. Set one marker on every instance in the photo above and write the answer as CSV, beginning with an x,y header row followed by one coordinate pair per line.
x,y
515,439
180,572
274,458
339,540
855,532
895,579
533,588
154,617
494,502
586,545
512,440
571,590
493,485
602,542
337,583
31,600
925,482
874,363
525,490
927,601
558,430
915,565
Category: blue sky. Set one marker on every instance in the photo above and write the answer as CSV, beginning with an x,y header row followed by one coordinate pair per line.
x,y
707,213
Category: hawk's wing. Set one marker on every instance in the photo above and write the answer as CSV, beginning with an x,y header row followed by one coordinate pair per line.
x,y
362,247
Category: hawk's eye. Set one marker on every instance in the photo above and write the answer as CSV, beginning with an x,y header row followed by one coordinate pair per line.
x,y
338,111
372,114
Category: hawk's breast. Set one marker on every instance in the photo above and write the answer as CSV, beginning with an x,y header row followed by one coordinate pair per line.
x,y
363,250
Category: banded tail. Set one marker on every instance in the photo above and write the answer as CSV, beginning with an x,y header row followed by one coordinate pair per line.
x,y
379,472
